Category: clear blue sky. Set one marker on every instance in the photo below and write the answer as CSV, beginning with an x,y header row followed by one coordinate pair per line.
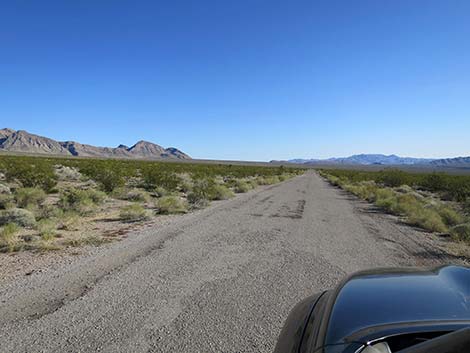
x,y
245,79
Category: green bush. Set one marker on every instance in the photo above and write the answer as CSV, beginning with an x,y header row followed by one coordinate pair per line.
x,y
47,229
81,201
393,178
427,219
220,192
160,191
450,216
98,197
185,182
203,189
434,182
156,177
242,186
171,204
29,197
461,232
386,199
8,237
19,216
197,200
133,213
108,174
48,211
31,172
6,201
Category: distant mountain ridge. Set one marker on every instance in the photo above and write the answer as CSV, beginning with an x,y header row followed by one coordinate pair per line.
x,y
459,162
390,160
366,159
25,142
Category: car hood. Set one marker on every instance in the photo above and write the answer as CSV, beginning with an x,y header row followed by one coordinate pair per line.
x,y
391,296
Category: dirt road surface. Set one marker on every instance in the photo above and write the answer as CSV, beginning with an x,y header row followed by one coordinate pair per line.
x,y
218,280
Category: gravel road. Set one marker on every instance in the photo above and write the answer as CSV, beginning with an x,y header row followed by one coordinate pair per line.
x,y
218,280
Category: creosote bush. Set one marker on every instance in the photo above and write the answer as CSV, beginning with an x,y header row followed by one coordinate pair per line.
x,y
83,202
29,197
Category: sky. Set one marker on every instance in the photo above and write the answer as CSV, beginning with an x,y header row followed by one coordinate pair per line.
x,y
241,80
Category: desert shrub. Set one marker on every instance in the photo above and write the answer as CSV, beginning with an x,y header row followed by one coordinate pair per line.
x,y
48,211
220,192
274,179
19,216
47,229
31,172
386,199
6,201
8,237
137,195
393,178
450,216
66,173
81,201
29,197
197,200
427,219
407,204
133,213
365,190
108,174
160,191
461,232
97,196
202,189
334,180
185,182
434,182
242,186
68,220
155,177
171,204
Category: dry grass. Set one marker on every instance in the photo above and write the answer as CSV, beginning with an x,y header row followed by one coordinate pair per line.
x,y
427,213
133,213
171,205
8,237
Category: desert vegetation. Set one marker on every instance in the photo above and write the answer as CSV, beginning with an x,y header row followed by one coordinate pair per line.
x,y
49,203
436,202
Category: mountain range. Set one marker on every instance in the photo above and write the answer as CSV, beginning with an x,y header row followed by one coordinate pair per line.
x,y
25,142
380,159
